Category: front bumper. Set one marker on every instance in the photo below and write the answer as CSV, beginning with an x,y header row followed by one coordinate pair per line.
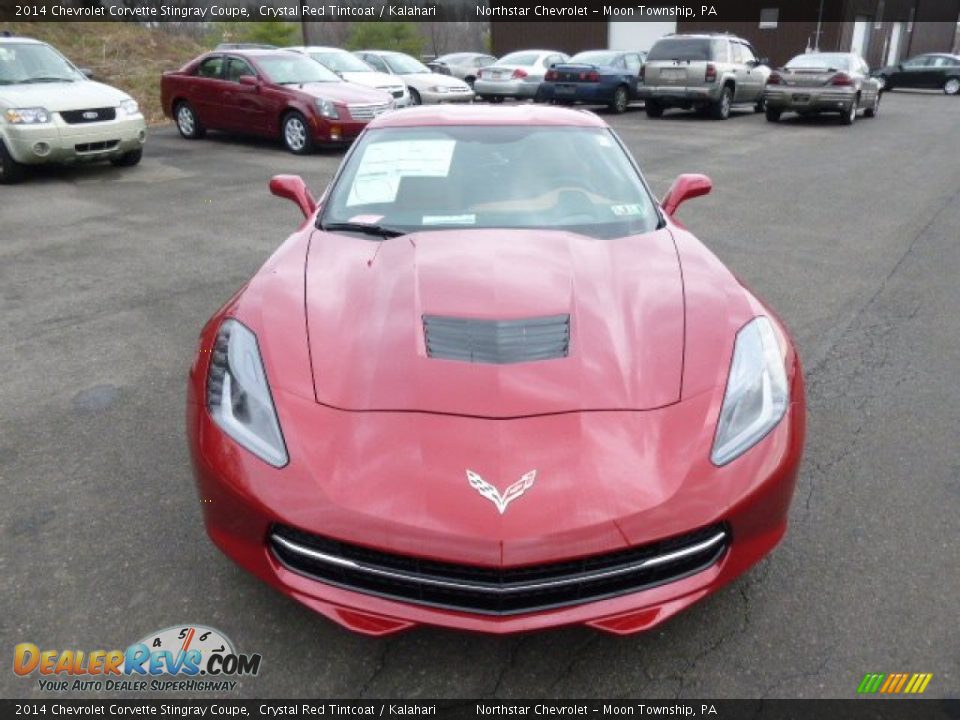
x,y
61,142
335,132
243,500
810,99
680,95
505,88
428,97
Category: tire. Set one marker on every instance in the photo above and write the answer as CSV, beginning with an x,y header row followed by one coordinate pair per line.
x,y
773,114
495,99
295,133
720,110
951,86
873,109
10,170
653,108
621,98
849,116
761,105
187,121
415,98
128,159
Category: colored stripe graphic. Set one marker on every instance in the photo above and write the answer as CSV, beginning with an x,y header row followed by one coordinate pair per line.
x,y
894,683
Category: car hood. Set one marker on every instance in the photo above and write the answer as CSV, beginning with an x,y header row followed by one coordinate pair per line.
x,y
62,96
366,301
425,80
344,92
373,79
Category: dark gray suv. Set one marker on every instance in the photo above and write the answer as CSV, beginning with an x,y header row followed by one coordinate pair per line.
x,y
709,72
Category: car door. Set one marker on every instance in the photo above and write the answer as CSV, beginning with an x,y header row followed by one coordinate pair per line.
x,y
244,106
911,73
938,70
206,91
756,74
743,92
633,63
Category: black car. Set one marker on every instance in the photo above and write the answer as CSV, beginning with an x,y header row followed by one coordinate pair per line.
x,y
933,71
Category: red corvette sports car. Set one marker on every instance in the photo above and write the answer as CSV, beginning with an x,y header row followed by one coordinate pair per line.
x,y
492,384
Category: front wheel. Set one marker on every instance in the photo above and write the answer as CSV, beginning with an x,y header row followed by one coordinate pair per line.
x,y
10,170
951,86
296,134
415,98
187,122
620,100
653,108
874,108
773,114
128,159
720,110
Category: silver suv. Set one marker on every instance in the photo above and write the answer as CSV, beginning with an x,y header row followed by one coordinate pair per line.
x,y
710,72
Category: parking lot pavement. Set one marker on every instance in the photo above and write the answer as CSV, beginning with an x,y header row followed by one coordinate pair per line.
x,y
851,233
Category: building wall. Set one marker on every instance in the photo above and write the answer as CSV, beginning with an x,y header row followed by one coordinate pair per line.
x,y
568,37
779,44
626,35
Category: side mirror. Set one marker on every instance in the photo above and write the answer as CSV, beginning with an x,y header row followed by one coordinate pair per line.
x,y
87,73
250,80
292,187
685,187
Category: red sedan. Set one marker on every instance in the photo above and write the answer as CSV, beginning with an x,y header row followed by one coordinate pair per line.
x,y
493,384
274,93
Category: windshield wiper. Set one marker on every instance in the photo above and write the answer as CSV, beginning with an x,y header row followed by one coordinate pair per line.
x,y
47,79
378,230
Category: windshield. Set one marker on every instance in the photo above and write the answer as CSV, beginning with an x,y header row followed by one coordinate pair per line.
x,y
405,65
433,178
292,69
683,49
594,58
519,58
29,63
342,62
820,61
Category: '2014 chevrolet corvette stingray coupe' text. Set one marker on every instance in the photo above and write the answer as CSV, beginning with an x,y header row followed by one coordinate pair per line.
x,y
492,384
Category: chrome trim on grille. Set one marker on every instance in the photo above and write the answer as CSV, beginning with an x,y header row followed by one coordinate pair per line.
x,y
367,112
501,589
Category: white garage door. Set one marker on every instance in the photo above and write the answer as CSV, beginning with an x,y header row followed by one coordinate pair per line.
x,y
622,35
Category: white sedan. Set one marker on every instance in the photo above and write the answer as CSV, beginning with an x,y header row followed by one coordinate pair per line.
x,y
425,86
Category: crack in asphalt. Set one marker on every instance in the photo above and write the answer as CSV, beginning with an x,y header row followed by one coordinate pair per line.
x,y
511,661
381,663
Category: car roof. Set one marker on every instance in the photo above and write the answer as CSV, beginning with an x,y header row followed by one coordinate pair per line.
x,y
319,48
434,115
252,52
17,39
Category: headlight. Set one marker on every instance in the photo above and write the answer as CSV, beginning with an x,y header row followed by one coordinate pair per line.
x,y
27,116
129,107
238,396
757,395
327,109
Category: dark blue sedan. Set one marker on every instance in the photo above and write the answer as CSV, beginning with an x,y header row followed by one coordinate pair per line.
x,y
594,77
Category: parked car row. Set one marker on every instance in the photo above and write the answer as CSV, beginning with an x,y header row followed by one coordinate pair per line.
x,y
51,111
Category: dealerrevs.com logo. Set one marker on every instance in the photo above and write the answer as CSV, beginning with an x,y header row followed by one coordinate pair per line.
x,y
184,658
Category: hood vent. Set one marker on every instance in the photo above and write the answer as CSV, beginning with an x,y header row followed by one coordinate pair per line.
x,y
497,342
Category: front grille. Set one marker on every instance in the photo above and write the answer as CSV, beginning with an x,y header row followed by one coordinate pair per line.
x,y
497,342
78,117
498,591
96,146
367,112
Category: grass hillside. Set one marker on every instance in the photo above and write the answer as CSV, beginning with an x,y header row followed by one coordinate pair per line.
x,y
125,55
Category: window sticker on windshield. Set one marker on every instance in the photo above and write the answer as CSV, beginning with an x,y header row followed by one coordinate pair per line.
x,y
622,210
384,164
365,219
450,219
604,141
